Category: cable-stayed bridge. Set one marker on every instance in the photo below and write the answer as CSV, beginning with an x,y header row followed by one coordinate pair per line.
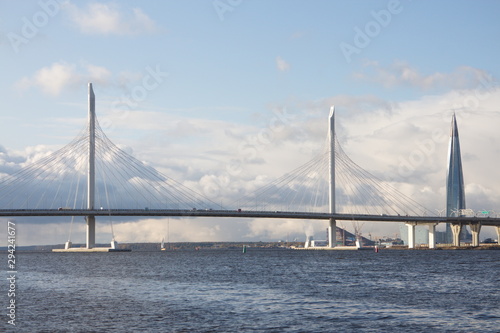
x,y
91,176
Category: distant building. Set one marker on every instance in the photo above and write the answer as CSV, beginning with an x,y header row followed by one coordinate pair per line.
x,y
455,190
441,237
344,238
389,242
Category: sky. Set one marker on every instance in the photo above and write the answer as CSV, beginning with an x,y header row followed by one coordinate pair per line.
x,y
190,87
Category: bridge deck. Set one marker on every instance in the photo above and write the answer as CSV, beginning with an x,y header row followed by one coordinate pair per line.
x,y
248,214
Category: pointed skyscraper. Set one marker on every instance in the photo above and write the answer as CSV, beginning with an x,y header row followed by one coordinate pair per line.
x,y
455,193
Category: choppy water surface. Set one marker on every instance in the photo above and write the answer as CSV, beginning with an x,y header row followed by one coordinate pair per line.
x,y
259,291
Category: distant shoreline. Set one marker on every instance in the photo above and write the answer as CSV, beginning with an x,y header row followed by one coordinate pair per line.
x,y
153,247
169,246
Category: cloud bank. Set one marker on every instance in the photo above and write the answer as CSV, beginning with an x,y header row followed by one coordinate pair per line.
x,y
54,79
110,19
401,73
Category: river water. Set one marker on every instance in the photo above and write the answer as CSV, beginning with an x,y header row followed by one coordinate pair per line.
x,y
262,290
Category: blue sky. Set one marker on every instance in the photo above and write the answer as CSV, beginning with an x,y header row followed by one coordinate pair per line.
x,y
395,70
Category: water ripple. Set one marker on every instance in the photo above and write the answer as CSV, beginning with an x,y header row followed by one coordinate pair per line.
x,y
261,291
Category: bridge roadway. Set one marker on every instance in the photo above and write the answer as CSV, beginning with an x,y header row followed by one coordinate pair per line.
x,y
248,214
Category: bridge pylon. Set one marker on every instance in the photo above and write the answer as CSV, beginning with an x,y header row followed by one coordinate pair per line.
x,y
332,228
91,171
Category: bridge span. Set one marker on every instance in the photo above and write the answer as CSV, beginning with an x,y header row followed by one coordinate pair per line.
x,y
474,222
487,221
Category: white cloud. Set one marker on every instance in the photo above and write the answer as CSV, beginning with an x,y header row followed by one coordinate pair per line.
x,y
282,65
142,230
98,74
401,73
59,76
110,19
50,79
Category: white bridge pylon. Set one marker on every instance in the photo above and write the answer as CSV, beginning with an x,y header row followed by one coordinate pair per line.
x,y
332,228
91,171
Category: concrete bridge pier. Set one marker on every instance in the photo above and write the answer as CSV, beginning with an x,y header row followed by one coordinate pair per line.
x,y
411,234
332,234
498,234
475,228
432,235
90,231
456,229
